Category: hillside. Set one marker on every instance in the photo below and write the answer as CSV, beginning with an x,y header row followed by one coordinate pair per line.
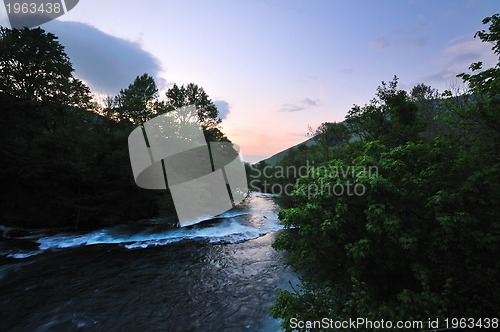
x,y
273,160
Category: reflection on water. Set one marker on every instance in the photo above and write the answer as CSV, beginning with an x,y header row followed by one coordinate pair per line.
x,y
187,285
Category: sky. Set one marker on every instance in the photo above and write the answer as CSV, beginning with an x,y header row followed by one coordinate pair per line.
x,y
274,67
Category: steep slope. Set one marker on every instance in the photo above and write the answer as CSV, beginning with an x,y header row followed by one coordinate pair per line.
x,y
278,156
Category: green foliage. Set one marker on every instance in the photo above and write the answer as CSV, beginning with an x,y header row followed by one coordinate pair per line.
x,y
430,109
208,114
303,304
493,36
330,135
392,117
423,238
424,223
138,103
34,67
475,114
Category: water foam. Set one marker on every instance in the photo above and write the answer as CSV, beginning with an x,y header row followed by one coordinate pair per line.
x,y
249,220
231,230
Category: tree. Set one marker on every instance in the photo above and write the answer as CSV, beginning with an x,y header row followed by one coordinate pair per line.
x,y
139,102
405,124
330,135
34,67
369,122
430,109
423,93
208,114
478,109
391,117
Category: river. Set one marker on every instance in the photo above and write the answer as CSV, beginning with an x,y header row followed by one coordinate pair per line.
x,y
220,275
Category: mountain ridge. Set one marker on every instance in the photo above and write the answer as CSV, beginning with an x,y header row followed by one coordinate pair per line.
x,y
275,158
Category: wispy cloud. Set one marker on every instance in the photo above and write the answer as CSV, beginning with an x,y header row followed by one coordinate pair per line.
x,y
475,46
444,75
310,102
457,58
413,36
420,42
292,108
380,43
300,106
345,71
308,79
298,134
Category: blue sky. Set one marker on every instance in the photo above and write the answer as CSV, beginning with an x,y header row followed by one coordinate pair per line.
x,y
274,67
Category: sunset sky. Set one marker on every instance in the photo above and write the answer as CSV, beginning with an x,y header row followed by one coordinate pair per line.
x,y
274,67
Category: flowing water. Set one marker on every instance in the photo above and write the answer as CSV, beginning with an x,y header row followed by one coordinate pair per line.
x,y
220,275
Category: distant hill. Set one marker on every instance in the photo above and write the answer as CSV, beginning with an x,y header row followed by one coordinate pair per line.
x,y
273,160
